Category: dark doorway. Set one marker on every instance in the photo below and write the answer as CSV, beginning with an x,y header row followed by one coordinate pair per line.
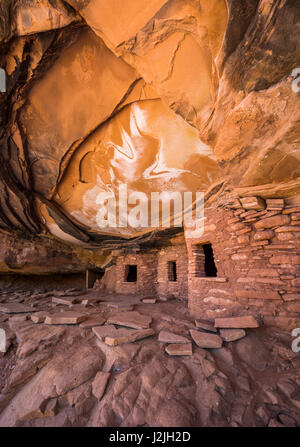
x,y
91,276
131,273
210,266
172,271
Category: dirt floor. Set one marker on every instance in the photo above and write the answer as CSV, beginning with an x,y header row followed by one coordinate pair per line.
x,y
67,374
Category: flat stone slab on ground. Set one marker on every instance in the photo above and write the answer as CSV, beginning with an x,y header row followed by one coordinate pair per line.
x,y
15,308
39,317
205,340
170,337
65,318
129,336
179,349
149,300
67,300
92,322
232,334
205,324
247,321
131,319
104,331
18,317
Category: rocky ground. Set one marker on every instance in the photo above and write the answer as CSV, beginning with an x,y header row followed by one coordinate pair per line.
x,y
91,372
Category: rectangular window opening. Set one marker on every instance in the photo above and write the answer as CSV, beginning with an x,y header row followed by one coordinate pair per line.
x,y
204,261
131,273
172,271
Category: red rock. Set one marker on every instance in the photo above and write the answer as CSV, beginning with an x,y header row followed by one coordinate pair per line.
x,y
248,214
291,297
232,334
237,226
15,308
244,239
18,317
67,300
170,337
131,319
285,259
295,209
99,384
275,204
128,336
103,331
92,322
280,247
206,325
237,322
233,220
85,301
50,408
287,228
263,235
271,222
253,203
67,317
205,340
260,243
244,231
282,322
179,349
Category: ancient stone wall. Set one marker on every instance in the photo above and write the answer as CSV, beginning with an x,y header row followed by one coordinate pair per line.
x,y
256,246
146,274
170,285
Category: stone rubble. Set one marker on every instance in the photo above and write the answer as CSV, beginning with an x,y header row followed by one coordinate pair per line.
x,y
113,369
169,337
205,340
232,334
128,336
67,317
206,325
92,321
64,300
179,349
15,308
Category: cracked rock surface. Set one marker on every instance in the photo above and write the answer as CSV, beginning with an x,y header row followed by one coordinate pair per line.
x,y
64,375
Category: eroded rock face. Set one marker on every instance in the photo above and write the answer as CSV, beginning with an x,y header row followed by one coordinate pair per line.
x,y
178,95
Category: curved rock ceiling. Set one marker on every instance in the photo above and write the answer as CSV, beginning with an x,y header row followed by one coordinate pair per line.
x,y
178,95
